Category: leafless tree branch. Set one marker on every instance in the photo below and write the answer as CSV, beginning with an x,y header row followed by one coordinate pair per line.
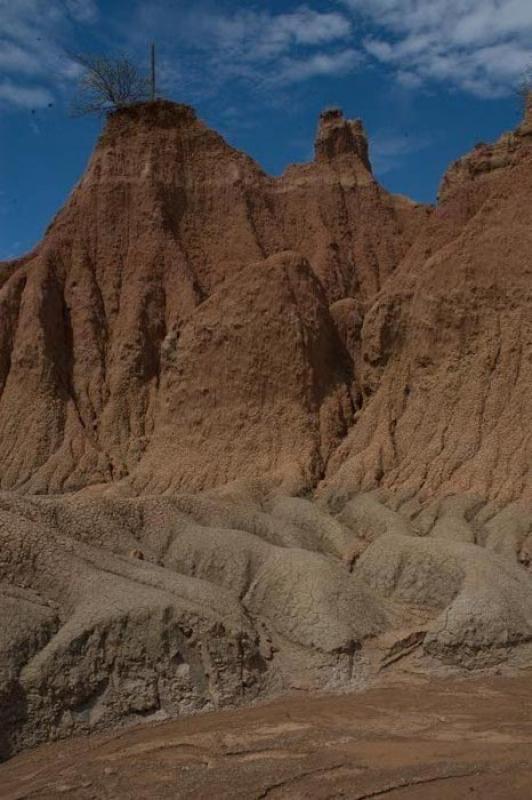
x,y
525,87
107,84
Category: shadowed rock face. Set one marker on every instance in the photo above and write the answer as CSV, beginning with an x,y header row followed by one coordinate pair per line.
x,y
256,382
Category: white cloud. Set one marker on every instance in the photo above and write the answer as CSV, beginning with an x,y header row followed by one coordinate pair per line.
x,y
24,96
252,44
17,59
389,148
31,36
261,35
410,80
481,46
82,10
319,64
282,48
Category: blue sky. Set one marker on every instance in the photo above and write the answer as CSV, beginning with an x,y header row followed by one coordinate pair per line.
x,y
430,78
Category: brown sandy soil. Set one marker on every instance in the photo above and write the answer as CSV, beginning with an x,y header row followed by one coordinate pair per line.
x,y
430,741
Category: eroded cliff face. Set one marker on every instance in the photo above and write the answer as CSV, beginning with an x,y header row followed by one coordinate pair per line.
x,y
100,327
507,152
446,347
190,323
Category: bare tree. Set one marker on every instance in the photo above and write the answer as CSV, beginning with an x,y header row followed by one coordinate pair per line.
x,y
107,84
525,89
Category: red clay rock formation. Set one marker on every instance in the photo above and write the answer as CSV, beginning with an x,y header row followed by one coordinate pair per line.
x,y
338,136
256,383
446,347
166,212
507,152
189,320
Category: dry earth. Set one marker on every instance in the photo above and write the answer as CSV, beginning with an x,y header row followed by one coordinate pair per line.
x,y
265,434
447,739
121,609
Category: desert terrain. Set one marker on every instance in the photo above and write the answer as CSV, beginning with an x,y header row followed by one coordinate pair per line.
x,y
268,438
425,741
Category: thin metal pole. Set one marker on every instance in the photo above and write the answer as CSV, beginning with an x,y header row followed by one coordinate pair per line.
x,y
153,71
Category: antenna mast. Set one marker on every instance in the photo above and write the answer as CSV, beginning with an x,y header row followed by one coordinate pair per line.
x,y
152,71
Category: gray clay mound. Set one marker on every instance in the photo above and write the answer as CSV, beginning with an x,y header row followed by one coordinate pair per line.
x,y
120,609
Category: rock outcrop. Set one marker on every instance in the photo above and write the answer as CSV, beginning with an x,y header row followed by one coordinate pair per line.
x,y
196,347
104,328
338,136
255,383
445,349
511,148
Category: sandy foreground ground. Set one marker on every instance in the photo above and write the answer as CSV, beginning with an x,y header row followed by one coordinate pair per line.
x,y
441,740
